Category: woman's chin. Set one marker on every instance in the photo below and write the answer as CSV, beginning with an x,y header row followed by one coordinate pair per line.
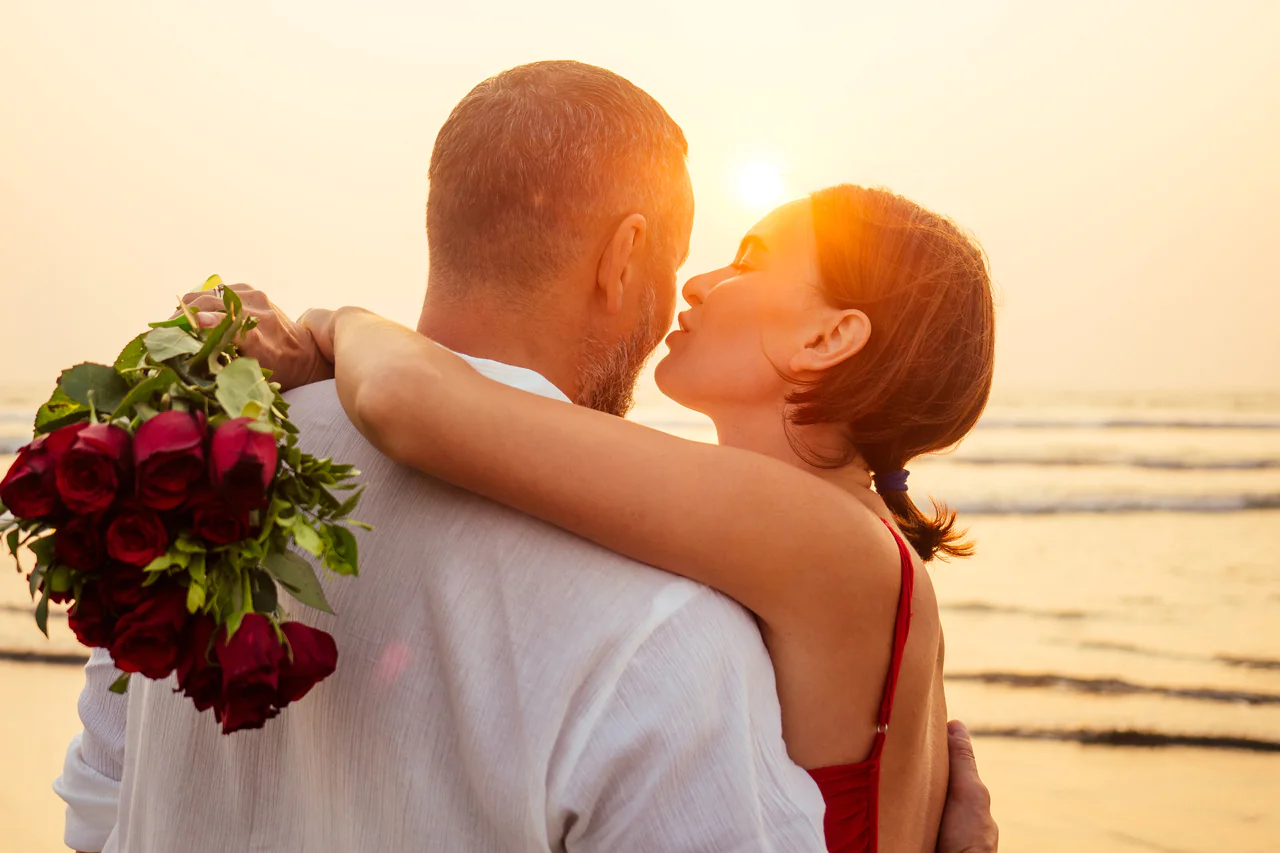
x,y
665,376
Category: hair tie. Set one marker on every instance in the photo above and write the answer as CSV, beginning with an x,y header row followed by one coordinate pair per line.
x,y
891,481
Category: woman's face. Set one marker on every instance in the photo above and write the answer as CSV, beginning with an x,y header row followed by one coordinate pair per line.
x,y
748,320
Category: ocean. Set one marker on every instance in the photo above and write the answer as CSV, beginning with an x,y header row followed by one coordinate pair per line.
x,y
1114,645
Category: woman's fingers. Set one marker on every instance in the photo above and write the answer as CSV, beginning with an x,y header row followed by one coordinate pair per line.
x,y
319,322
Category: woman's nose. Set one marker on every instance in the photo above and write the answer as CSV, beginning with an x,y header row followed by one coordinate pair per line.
x,y
695,290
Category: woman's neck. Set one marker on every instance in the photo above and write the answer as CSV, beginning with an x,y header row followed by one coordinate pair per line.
x,y
762,429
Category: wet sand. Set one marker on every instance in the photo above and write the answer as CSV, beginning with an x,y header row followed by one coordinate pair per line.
x,y
37,719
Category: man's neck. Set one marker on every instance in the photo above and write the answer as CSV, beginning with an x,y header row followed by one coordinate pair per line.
x,y
483,331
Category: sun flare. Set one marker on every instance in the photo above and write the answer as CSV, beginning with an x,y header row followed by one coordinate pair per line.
x,y
760,185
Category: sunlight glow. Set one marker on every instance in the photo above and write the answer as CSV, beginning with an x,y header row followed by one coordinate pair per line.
x,y
760,185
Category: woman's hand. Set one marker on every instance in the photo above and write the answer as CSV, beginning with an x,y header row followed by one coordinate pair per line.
x,y
278,343
323,326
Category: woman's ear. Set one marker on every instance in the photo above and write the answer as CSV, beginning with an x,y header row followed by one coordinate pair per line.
x,y
615,270
842,335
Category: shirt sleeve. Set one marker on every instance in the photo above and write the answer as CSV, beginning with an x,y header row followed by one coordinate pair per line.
x,y
686,752
90,780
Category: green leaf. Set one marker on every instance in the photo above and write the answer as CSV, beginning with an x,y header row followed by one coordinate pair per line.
x,y
164,344
343,555
131,356
298,579
144,390
58,579
107,387
196,569
195,597
218,339
263,591
58,411
240,384
170,558
188,544
179,322
306,537
43,550
349,504
121,684
34,579
42,614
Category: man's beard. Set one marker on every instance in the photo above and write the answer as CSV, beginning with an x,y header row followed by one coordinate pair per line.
x,y
607,378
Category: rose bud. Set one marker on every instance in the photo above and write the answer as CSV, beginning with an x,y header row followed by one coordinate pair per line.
x,y
30,488
137,536
95,466
168,453
242,462
199,676
90,619
315,656
217,522
148,639
250,674
120,587
79,544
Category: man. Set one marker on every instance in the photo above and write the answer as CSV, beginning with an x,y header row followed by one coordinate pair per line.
x,y
502,685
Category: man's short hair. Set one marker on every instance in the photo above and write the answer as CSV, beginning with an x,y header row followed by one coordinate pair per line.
x,y
534,162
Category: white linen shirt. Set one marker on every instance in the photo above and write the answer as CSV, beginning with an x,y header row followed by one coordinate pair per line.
x,y
501,685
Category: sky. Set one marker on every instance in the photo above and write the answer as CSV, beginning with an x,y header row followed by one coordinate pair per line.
x,y
1118,160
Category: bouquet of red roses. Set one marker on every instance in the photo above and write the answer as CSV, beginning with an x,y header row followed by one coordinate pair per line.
x,y
160,497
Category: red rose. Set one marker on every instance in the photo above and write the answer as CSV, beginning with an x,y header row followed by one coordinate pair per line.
x,y
148,639
250,674
217,522
315,656
199,676
95,466
137,536
30,488
79,544
168,453
91,620
120,587
242,462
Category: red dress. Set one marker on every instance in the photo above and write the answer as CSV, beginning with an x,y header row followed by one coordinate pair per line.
x,y
852,791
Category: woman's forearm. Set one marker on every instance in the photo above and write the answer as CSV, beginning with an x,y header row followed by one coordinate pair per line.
x,y
780,541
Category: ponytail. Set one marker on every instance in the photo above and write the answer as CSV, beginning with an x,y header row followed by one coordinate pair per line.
x,y
930,537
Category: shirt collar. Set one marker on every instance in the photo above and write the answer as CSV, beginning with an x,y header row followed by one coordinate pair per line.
x,y
517,377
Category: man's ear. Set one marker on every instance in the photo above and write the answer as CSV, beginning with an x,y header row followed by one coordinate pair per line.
x,y
842,335
616,267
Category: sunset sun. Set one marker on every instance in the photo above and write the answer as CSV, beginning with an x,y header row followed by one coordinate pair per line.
x,y
760,185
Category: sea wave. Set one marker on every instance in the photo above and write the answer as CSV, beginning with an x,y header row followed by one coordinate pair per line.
x,y
1020,422
1118,503
667,421
1114,687
1156,463
1131,737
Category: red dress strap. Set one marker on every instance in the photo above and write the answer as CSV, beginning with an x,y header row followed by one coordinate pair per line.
x,y
902,626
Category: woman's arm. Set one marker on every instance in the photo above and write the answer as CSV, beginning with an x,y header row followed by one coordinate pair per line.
x,y
784,543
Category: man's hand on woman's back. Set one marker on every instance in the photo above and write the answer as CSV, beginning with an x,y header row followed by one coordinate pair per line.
x,y
967,824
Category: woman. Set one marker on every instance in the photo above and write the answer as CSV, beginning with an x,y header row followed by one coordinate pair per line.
x,y
852,333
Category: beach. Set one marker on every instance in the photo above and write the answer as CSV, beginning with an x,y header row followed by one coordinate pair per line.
x,y
1113,645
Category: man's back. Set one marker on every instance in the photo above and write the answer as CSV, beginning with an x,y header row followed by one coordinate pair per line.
x,y
501,685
